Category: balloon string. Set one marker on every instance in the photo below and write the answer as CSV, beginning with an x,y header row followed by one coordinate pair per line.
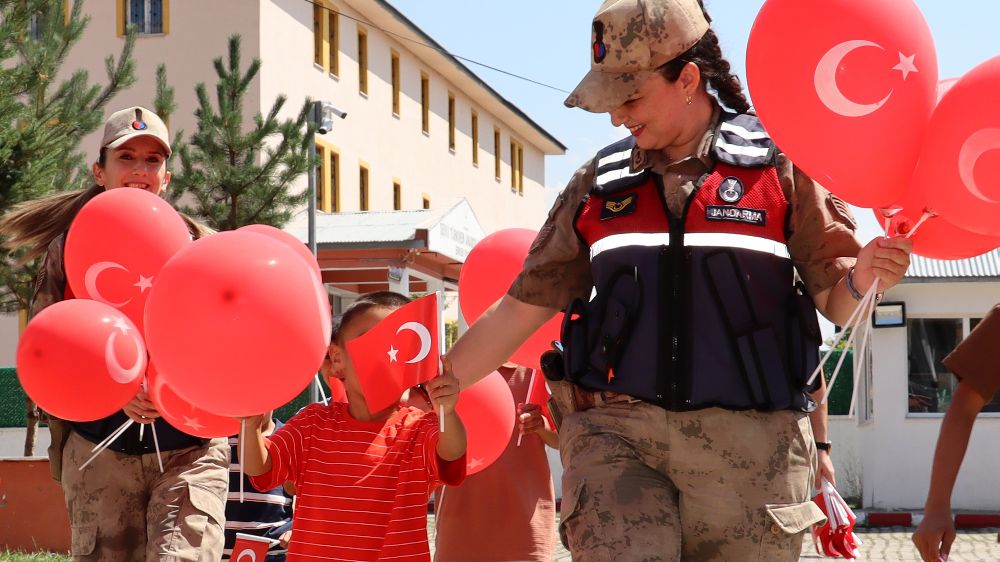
x,y
923,218
863,305
107,442
865,339
833,345
243,433
114,435
156,445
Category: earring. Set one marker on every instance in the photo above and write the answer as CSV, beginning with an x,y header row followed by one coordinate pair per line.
x,y
689,100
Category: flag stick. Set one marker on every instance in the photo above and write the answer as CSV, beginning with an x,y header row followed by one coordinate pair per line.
x,y
865,304
439,296
322,394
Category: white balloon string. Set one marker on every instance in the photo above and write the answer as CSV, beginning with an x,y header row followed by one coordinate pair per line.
x,y
869,296
833,345
243,442
156,445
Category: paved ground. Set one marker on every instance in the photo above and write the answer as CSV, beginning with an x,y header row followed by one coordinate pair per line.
x,y
890,544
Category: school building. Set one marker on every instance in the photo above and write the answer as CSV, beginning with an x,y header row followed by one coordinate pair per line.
x,y
429,159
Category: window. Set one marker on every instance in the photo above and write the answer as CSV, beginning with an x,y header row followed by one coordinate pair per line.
x,y
475,138
319,19
451,121
362,61
425,102
496,152
328,186
150,17
363,200
397,195
931,385
395,82
333,42
427,201
516,167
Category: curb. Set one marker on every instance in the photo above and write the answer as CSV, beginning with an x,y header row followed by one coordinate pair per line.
x,y
911,519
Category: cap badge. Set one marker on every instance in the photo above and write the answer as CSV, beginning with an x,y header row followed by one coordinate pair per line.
x,y
599,48
139,125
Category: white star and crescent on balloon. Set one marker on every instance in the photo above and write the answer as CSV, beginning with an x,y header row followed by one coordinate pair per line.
x,y
193,423
825,79
143,283
121,324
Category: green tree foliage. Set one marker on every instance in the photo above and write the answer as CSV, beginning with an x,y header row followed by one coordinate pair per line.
x,y
235,176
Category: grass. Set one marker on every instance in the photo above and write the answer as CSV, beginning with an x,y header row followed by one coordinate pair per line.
x,y
35,557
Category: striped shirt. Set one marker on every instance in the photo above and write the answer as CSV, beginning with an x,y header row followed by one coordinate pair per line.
x,y
265,514
362,486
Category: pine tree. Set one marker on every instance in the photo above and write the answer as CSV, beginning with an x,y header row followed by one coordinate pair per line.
x,y
234,177
42,120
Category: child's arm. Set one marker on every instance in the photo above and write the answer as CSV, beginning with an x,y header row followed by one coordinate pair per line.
x,y
256,458
937,531
443,392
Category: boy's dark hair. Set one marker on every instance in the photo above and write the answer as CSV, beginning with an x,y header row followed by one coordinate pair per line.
x,y
383,299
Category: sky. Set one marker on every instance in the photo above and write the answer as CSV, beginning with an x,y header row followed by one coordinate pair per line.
x,y
549,41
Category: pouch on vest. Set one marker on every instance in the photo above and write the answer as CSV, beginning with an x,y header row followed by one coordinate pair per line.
x,y
574,340
756,343
618,304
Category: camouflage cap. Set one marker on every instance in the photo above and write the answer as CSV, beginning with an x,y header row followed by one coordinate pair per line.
x,y
134,122
629,41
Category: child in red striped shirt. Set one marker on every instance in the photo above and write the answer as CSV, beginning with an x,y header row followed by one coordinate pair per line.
x,y
362,478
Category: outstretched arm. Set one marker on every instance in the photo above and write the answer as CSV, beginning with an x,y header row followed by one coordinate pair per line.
x,y
494,337
937,531
256,458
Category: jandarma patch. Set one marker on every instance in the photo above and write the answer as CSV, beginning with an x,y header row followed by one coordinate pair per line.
x,y
757,217
621,206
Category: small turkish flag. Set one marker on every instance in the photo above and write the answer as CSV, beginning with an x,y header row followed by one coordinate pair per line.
x,y
538,394
249,548
401,351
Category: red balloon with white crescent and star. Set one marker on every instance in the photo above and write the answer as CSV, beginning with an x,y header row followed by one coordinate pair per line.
x,y
81,360
116,246
845,89
960,162
184,416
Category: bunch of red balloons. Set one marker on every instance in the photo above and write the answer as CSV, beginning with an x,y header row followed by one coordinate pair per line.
x,y
238,322
854,100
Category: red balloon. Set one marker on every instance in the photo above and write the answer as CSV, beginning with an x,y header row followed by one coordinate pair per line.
x,y
487,411
234,324
117,244
81,360
487,274
845,89
182,415
959,165
300,249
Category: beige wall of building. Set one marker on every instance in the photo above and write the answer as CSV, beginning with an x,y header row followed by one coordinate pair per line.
x,y
391,146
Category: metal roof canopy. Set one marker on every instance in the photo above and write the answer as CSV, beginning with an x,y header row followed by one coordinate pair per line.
x,y
361,252
985,267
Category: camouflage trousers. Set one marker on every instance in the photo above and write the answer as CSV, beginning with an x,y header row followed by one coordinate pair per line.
x,y
642,483
122,508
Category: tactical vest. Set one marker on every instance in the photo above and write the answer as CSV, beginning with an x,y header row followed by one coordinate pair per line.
x,y
699,310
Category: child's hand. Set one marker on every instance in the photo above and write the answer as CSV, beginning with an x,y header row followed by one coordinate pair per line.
x,y
443,390
254,423
530,419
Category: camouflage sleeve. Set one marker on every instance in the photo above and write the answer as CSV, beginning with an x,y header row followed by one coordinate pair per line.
x,y
557,269
50,283
821,240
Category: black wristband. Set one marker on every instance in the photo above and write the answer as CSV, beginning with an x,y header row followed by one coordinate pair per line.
x,y
824,446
